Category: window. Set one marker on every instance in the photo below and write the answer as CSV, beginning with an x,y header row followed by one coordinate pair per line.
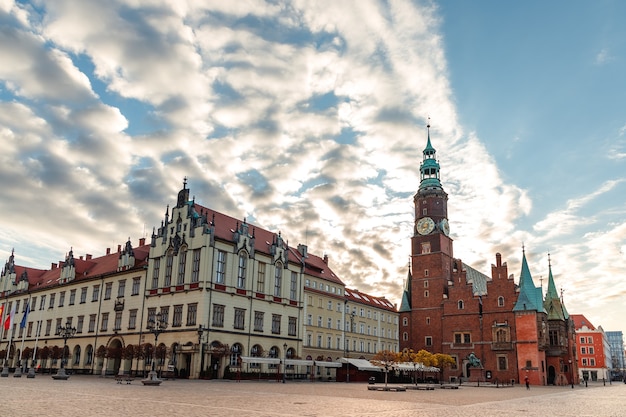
x,y
29,332
95,295
195,267
583,350
428,321
319,321
42,302
502,363
426,281
48,326
425,247
92,323
241,271
239,318
177,320
294,286
220,271
426,293
276,323
192,313
405,336
592,362
72,297
529,364
278,276
155,273
51,305
329,323
428,341
584,361
61,299
121,288
165,314
218,315
132,318
118,321
591,352
108,289
182,260
500,301
105,322
462,338
79,324
461,305
136,286
319,340
582,340
292,326
589,340
169,262
260,278
258,321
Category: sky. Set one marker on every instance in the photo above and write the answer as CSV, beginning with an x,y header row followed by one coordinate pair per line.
x,y
309,118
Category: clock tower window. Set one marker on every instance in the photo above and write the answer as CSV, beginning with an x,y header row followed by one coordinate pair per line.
x,y
426,247
424,211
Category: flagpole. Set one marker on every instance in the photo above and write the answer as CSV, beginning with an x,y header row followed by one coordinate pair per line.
x,y
31,370
5,368
18,370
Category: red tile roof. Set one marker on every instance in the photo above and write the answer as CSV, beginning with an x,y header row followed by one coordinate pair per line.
x,y
580,321
362,298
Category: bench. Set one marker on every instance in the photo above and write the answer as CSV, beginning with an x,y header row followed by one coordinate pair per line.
x,y
387,388
124,377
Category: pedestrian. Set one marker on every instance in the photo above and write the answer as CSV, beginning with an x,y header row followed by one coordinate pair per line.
x,y
527,382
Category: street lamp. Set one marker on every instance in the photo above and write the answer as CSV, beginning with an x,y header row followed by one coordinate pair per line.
x,y
571,371
284,361
201,331
156,327
65,332
348,346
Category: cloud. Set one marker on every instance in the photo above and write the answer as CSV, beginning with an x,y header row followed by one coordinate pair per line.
x,y
603,57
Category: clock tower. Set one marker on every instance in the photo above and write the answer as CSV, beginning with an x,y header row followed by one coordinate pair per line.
x,y
426,288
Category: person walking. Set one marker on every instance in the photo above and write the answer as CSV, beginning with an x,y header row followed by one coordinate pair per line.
x,y
527,382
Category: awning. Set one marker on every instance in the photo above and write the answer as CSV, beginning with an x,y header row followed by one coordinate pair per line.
x,y
327,364
252,359
410,366
301,362
361,364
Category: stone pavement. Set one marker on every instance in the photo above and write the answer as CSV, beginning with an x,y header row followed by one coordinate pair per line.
x,y
95,396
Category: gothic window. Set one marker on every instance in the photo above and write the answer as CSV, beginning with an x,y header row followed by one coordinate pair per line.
x,y
405,336
294,287
182,261
501,301
502,363
405,321
220,272
169,261
278,276
461,305
155,273
260,280
195,268
241,271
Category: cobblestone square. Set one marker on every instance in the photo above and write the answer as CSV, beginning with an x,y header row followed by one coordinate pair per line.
x,y
95,396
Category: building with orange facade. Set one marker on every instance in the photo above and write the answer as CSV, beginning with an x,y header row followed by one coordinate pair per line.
x,y
594,354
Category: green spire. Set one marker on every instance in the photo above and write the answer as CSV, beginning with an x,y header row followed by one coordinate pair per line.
x,y
429,169
553,304
405,305
530,297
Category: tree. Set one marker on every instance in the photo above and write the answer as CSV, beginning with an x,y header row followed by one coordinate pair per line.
x,y
442,361
386,359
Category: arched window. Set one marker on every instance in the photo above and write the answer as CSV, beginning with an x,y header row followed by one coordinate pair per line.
x,y
405,321
235,354
461,305
89,355
76,360
405,336
501,301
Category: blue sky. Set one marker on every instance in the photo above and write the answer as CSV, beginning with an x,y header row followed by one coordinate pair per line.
x,y
310,119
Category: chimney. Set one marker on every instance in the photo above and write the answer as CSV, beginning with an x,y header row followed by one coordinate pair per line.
x,y
142,241
326,259
80,257
119,248
88,256
53,266
108,251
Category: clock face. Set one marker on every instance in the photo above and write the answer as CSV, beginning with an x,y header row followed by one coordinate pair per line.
x,y
445,227
425,226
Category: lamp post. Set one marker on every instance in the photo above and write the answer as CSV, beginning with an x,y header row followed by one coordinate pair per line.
x,y
284,361
201,331
348,347
571,371
65,332
156,327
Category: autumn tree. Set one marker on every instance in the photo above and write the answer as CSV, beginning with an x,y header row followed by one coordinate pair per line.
x,y
443,361
386,359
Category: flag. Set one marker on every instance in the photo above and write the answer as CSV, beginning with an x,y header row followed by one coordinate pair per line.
x,y
23,323
8,323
